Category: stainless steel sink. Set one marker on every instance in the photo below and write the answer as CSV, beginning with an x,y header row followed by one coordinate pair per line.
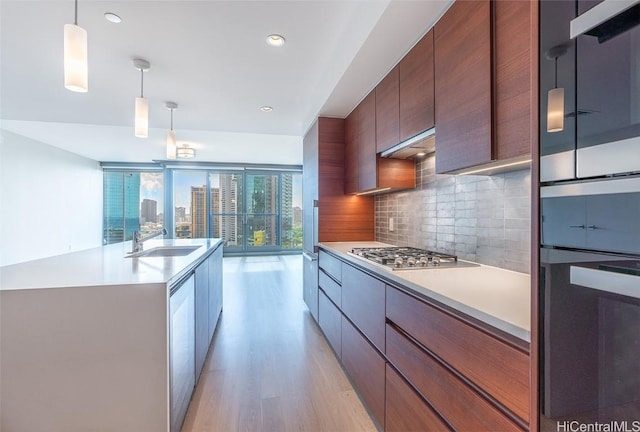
x,y
165,251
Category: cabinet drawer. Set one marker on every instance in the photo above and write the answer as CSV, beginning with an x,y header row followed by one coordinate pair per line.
x,y
405,410
330,287
365,367
332,266
497,368
329,319
363,303
461,406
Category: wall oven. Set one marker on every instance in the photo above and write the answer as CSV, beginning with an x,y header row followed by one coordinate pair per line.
x,y
591,51
590,305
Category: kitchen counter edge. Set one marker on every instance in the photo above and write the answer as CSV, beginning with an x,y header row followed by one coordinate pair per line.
x,y
395,279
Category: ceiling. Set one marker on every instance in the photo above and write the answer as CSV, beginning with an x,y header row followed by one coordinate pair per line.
x,y
211,58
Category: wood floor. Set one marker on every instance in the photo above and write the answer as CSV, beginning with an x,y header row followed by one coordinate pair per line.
x,y
269,367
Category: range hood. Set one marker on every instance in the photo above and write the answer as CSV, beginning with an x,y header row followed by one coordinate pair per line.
x,y
423,143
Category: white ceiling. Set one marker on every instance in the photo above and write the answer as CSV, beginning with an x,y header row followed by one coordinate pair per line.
x,y
211,58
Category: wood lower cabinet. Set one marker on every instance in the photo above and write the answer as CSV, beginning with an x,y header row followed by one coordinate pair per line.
x,y
405,411
363,301
496,367
455,400
330,321
365,366
331,265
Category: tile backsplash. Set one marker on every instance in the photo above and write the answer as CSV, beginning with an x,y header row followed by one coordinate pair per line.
x,y
486,219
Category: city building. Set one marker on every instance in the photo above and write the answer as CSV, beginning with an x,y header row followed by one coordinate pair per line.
x,y
148,211
121,196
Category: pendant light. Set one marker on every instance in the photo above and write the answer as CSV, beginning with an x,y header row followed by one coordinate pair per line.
x,y
186,152
555,96
142,104
171,135
76,69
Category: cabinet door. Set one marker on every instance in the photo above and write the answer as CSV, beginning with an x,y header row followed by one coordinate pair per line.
x,y
351,152
388,111
329,319
514,35
215,290
498,368
365,367
363,299
417,89
405,410
310,284
462,53
202,315
181,349
458,403
366,141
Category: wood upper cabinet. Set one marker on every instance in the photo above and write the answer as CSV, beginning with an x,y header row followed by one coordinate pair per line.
x,y
364,170
351,152
515,77
462,49
388,111
366,143
405,97
416,89
485,79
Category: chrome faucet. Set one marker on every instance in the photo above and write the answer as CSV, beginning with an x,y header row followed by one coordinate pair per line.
x,y
138,239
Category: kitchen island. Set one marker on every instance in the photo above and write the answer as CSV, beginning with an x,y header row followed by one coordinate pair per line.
x,y
92,340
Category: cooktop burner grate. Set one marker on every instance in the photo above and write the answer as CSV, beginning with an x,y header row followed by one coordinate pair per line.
x,y
401,258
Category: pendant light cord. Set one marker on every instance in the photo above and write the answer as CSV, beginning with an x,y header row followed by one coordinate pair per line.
x,y
171,119
141,83
75,21
556,70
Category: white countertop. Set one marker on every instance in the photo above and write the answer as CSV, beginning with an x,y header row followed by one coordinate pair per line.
x,y
500,298
105,265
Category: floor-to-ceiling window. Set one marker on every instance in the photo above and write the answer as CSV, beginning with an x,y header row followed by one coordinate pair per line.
x,y
251,209
132,201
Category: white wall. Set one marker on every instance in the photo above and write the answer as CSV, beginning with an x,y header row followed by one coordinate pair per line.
x,y
50,200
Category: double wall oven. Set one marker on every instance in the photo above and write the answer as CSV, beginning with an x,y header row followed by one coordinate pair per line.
x,y
590,216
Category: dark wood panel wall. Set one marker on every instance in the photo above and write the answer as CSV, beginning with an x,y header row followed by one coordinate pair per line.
x,y
341,217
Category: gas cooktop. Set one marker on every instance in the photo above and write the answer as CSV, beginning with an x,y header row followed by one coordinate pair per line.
x,y
408,258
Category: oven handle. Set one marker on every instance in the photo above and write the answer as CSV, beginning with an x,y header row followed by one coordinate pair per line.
x,y
597,15
617,283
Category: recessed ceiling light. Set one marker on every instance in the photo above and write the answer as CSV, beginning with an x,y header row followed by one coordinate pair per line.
x,y
275,40
111,17
266,108
420,154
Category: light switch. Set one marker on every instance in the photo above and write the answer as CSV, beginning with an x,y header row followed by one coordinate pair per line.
x,y
390,224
